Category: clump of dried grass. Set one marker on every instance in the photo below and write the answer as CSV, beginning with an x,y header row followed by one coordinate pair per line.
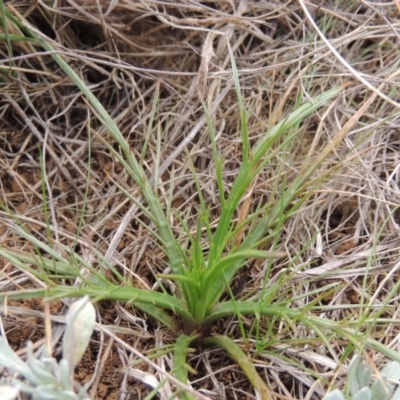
x,y
126,51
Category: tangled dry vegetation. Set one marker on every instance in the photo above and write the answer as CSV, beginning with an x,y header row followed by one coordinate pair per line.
x,y
344,239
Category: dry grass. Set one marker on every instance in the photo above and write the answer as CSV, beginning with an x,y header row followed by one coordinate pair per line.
x,y
344,241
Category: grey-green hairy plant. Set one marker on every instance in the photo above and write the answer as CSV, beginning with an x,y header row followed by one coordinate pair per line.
x,y
45,379
361,386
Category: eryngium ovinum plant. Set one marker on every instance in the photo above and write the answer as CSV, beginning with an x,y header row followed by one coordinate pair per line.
x,y
201,276
44,378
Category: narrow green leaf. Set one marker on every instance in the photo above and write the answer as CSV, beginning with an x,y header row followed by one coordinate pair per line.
x,y
227,267
180,366
247,366
133,295
158,314
181,278
172,248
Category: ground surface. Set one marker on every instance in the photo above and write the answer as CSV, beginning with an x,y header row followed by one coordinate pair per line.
x,y
128,51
